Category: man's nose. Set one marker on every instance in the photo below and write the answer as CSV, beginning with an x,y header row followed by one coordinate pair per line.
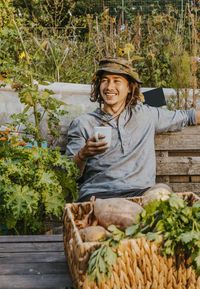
x,y
110,85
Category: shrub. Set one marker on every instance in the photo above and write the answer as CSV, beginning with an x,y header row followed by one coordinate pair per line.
x,y
34,184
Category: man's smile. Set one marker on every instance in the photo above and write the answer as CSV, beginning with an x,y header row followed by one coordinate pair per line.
x,y
110,95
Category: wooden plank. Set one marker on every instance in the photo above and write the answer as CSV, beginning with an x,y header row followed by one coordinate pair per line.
x,y
162,179
178,165
179,179
189,153
53,281
177,142
32,247
31,238
188,130
33,265
17,258
161,154
34,268
185,187
195,179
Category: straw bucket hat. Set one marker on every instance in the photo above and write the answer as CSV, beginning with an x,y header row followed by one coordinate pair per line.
x,y
118,66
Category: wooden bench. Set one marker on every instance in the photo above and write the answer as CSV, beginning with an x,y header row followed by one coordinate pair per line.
x,y
33,262
178,159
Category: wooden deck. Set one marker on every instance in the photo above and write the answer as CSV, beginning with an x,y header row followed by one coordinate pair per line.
x,y
33,262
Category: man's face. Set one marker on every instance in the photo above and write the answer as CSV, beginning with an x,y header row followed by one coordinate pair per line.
x,y
114,89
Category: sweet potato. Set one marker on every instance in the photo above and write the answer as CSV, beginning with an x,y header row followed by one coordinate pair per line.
x,y
116,211
93,234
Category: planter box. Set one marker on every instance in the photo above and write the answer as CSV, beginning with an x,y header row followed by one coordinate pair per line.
x,y
140,265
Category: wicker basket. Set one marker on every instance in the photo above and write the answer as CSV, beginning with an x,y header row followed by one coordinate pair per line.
x,y
140,265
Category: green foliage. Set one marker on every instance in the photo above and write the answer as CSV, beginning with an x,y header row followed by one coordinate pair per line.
x,y
34,183
69,49
39,104
178,224
173,222
104,257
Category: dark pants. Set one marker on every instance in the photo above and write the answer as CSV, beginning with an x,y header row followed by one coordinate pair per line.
x,y
105,195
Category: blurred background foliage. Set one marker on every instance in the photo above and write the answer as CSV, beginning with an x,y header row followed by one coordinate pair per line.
x,y
63,40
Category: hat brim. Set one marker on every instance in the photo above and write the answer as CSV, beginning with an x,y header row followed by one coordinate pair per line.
x,y
118,71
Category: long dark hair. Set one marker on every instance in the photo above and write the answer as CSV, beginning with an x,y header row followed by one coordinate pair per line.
x,y
131,99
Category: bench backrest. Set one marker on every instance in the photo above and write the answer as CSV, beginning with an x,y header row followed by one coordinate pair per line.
x,y
178,159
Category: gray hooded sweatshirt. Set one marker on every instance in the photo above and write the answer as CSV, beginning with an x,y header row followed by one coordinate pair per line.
x,y
130,161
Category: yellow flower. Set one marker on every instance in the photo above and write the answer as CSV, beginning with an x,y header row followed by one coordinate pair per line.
x,y
121,52
129,48
22,55
34,19
3,75
113,20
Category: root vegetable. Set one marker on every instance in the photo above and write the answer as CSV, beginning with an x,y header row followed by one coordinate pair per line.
x,y
156,194
116,211
93,234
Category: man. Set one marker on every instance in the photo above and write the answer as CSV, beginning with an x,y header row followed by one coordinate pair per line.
x,y
128,166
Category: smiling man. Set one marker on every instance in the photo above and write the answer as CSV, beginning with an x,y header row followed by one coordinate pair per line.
x,y
128,167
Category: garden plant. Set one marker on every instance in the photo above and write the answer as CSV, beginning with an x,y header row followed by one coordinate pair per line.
x,y
35,182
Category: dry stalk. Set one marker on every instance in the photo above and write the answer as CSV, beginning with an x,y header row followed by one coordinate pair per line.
x,y
119,24
137,31
149,26
194,58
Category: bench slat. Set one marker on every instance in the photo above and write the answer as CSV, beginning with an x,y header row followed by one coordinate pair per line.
x,y
178,166
10,257
31,238
177,142
34,269
53,281
31,247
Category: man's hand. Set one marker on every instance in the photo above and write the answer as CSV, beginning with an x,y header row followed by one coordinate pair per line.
x,y
93,147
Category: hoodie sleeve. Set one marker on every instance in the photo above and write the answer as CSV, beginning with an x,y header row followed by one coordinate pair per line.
x,y
76,138
168,120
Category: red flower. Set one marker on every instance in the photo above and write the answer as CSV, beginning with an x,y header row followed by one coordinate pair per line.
x,y
22,143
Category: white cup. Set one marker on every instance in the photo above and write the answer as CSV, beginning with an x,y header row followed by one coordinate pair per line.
x,y
106,131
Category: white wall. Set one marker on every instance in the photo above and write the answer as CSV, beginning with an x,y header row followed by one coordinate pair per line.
x,y
75,95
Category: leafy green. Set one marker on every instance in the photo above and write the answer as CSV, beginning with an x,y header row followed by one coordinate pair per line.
x,y
33,186
178,223
173,222
104,257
